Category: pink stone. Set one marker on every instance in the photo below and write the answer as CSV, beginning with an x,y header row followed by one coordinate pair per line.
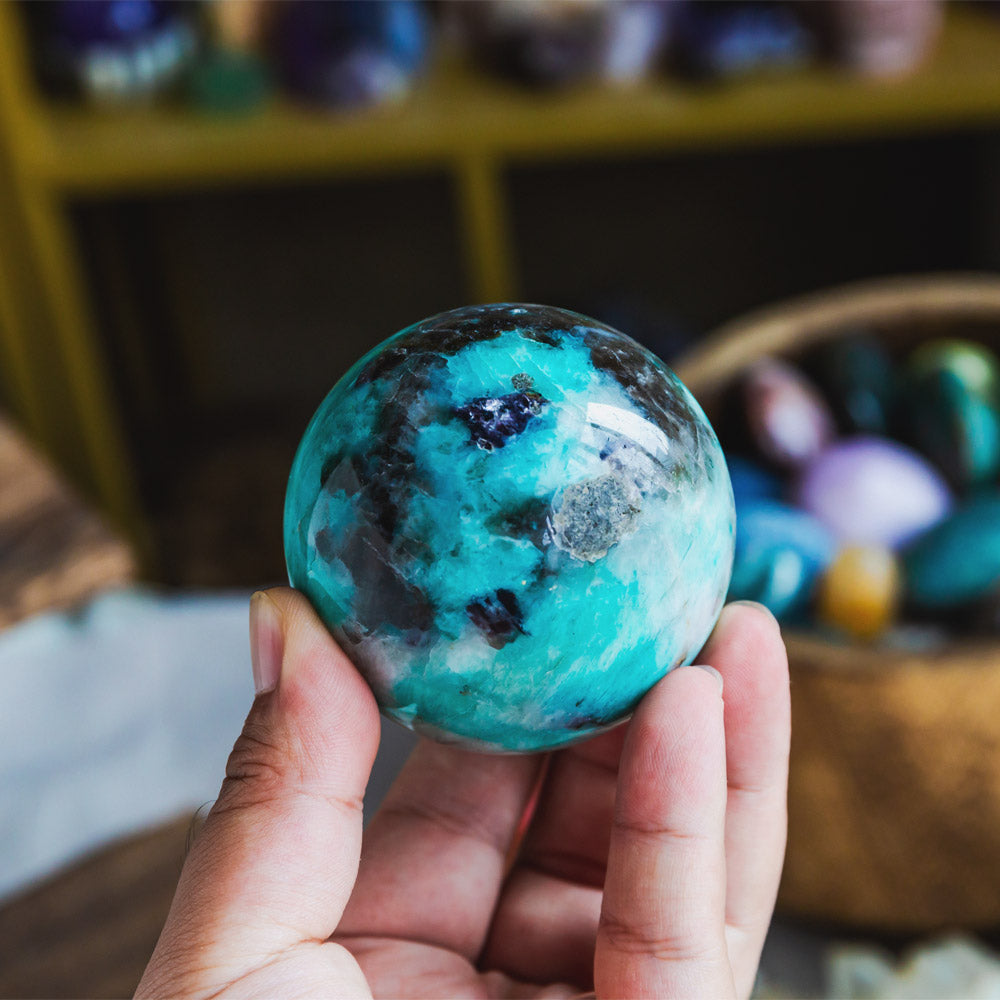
x,y
787,417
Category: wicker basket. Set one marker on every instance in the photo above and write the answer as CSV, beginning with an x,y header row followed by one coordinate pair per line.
x,y
894,790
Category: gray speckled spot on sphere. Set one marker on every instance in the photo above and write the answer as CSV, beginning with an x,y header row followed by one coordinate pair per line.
x,y
592,515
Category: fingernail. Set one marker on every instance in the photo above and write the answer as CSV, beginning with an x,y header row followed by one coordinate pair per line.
x,y
711,670
266,642
757,606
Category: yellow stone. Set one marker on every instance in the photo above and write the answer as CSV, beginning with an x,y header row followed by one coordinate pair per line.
x,y
860,591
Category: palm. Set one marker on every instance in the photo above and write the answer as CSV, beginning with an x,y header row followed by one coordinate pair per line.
x,y
526,929
648,868
404,968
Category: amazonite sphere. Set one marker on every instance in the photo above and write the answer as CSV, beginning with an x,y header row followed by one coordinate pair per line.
x,y
514,520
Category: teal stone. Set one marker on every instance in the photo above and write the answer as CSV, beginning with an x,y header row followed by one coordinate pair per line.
x,y
958,561
781,552
858,377
514,520
229,82
950,409
751,481
972,364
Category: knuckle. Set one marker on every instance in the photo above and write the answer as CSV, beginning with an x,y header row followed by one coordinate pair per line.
x,y
264,770
660,833
256,771
628,937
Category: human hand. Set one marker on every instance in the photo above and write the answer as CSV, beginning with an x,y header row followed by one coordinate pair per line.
x,y
649,869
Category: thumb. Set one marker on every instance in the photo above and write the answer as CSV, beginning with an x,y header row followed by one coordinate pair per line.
x,y
278,855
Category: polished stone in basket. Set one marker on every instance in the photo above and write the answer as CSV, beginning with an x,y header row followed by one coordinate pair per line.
x,y
860,593
958,561
951,409
859,379
751,481
515,520
787,418
870,490
780,553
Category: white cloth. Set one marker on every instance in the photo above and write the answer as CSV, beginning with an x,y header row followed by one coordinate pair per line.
x,y
113,719
122,716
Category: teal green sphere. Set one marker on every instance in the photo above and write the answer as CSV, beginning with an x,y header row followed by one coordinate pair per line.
x,y
514,520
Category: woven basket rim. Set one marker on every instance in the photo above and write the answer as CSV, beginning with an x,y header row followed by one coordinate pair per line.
x,y
813,651
799,321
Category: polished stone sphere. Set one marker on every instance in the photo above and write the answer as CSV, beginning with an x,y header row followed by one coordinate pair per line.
x,y
514,520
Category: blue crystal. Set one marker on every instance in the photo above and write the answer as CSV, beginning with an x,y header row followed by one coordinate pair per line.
x,y
351,53
780,553
751,481
514,520
729,39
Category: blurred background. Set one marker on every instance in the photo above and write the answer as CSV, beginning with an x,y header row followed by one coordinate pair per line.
x,y
209,210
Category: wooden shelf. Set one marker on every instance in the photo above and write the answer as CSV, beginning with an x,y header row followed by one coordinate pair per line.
x,y
457,113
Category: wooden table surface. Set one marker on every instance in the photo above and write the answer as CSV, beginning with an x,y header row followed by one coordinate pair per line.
x,y
88,931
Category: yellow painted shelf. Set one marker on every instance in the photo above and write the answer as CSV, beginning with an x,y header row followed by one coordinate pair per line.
x,y
457,120
457,113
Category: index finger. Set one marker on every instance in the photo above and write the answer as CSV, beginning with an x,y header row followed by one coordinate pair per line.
x,y
662,929
746,648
